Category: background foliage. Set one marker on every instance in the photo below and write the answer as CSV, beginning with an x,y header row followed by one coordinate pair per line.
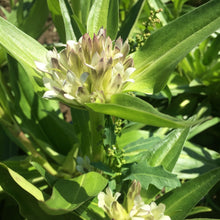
x,y
165,135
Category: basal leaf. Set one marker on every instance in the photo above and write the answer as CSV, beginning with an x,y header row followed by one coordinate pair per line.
x,y
156,176
167,46
70,194
180,201
135,109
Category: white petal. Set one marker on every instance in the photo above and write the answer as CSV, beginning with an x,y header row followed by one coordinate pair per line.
x,y
41,66
68,96
117,55
129,71
72,45
50,94
90,66
165,217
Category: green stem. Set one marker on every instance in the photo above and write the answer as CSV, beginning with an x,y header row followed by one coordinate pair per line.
x,y
97,124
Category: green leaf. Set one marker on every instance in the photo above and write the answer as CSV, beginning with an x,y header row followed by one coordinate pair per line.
x,y
180,201
56,15
139,149
33,24
130,20
71,28
23,192
91,211
156,176
81,9
80,120
200,209
169,149
135,109
200,128
70,35
167,46
21,46
98,16
131,136
113,19
70,194
195,160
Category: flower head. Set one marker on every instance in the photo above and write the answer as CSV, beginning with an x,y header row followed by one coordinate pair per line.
x,y
110,205
90,70
135,209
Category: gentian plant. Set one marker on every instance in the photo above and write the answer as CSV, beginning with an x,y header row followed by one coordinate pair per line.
x,y
119,157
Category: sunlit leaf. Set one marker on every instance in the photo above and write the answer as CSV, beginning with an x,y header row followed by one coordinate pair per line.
x,y
181,200
70,194
21,46
167,46
156,176
135,109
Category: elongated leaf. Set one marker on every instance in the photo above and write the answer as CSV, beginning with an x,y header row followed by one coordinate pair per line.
x,y
131,136
33,24
81,9
166,154
169,149
56,15
71,28
156,176
70,35
70,194
180,201
135,109
113,18
80,119
21,46
167,46
195,160
198,129
23,192
130,20
26,195
98,16
139,149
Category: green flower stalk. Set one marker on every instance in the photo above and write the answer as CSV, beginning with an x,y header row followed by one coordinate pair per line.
x,y
135,209
88,71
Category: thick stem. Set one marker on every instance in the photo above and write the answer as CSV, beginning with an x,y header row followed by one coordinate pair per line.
x,y
97,124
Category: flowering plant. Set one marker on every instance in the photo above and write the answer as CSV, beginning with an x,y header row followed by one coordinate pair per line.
x,y
118,77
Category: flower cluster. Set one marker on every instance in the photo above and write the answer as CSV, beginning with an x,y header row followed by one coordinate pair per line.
x,y
90,70
135,209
